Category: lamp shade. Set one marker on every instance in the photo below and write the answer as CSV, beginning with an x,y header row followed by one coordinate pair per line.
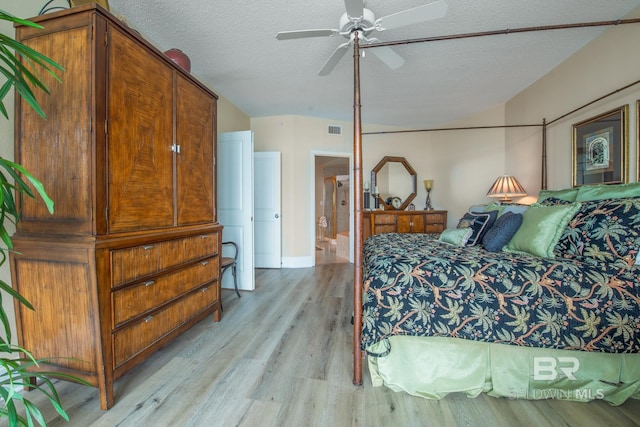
x,y
506,187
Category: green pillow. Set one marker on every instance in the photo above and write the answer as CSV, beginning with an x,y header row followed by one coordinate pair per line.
x,y
568,194
494,207
456,236
541,228
608,191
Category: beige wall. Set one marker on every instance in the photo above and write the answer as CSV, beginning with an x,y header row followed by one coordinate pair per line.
x,y
607,64
463,165
230,118
299,139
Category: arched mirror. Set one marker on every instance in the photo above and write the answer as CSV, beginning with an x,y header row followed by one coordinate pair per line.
x,y
394,177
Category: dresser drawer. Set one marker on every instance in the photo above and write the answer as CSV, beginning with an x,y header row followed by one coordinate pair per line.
x,y
132,340
435,228
384,219
436,218
137,299
134,263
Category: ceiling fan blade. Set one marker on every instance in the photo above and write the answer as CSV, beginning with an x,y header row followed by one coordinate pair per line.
x,y
336,56
387,55
354,8
301,34
427,12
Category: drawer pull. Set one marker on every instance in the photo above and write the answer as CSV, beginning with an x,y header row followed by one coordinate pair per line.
x,y
148,319
204,262
147,247
204,236
149,282
204,290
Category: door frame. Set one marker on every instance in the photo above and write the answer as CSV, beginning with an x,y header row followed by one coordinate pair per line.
x,y
312,192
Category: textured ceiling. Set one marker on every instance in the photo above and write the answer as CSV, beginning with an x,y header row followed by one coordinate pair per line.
x,y
234,51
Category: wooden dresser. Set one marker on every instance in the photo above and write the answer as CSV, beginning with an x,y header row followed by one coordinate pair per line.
x,y
390,221
130,257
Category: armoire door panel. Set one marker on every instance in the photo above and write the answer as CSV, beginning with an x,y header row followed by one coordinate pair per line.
x,y
194,134
139,138
63,141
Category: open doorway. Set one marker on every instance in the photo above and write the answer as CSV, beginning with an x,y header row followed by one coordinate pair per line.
x,y
332,209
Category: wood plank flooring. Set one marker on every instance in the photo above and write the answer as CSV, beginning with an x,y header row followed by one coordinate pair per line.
x,y
281,356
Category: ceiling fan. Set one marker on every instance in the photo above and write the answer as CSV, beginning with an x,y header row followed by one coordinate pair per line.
x,y
359,18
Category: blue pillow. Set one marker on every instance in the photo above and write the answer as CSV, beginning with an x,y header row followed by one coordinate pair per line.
x,y
479,222
502,231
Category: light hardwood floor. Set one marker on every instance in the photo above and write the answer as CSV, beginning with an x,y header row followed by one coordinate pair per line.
x,y
281,356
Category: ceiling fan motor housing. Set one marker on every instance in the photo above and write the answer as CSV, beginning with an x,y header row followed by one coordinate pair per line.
x,y
348,25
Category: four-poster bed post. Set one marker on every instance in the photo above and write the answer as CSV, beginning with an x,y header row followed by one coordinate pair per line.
x,y
357,177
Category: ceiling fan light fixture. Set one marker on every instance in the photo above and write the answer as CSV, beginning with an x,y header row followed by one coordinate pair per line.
x,y
365,23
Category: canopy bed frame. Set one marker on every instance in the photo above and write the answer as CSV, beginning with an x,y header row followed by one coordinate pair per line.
x,y
357,150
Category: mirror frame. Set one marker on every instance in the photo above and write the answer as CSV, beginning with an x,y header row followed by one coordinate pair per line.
x,y
412,173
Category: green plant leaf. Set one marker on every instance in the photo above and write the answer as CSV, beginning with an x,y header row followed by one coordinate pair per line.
x,y
26,73
23,69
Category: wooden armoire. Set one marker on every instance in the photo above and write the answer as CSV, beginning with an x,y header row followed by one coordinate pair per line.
x,y
130,257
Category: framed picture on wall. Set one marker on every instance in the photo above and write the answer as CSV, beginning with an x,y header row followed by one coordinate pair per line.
x,y
600,149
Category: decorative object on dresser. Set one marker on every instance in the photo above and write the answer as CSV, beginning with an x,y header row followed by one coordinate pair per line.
x,y
506,187
395,178
428,185
396,221
367,196
130,258
180,58
600,149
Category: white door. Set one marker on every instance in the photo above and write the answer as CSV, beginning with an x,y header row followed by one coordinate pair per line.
x,y
267,225
235,202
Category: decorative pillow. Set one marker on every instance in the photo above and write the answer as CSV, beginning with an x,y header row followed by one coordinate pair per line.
x,y
456,236
608,191
514,209
568,194
479,222
478,208
541,229
603,231
502,231
494,207
553,201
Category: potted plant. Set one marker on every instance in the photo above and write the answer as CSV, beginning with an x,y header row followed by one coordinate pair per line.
x,y
20,66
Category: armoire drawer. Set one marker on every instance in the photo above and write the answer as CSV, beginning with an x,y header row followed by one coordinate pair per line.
x,y
134,263
135,338
139,298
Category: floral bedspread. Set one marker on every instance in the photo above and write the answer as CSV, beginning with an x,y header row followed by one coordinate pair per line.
x,y
416,285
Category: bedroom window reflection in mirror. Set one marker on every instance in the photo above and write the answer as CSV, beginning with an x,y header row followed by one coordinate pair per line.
x,y
393,177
